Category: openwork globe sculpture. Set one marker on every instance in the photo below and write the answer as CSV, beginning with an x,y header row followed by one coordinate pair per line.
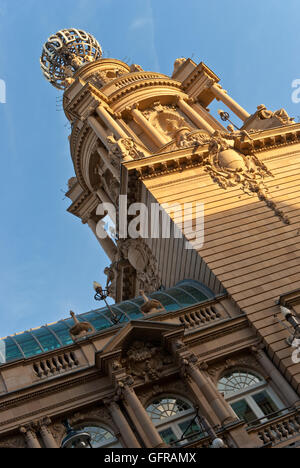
x,y
65,52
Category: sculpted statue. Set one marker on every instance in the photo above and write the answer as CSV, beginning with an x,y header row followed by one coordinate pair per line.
x,y
151,306
80,329
281,114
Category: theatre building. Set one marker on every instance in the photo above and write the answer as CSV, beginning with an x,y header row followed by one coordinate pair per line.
x,y
200,346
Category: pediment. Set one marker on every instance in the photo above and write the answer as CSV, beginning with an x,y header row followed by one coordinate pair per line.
x,y
138,331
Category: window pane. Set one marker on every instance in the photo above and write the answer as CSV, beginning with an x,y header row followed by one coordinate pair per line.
x,y
191,430
9,351
28,344
168,436
243,411
182,297
101,437
98,321
266,404
198,295
237,381
47,340
62,331
167,301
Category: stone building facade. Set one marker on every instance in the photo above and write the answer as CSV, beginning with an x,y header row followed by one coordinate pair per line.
x,y
208,348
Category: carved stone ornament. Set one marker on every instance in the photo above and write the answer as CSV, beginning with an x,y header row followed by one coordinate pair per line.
x,y
170,387
146,361
65,52
168,119
17,442
101,78
245,361
151,306
139,255
281,114
123,149
178,63
230,168
80,329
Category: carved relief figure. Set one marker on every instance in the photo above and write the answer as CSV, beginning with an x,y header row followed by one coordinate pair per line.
x,y
146,360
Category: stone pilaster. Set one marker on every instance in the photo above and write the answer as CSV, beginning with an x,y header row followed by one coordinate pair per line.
x,y
277,378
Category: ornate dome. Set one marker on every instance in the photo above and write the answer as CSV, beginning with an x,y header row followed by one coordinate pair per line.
x,y
65,52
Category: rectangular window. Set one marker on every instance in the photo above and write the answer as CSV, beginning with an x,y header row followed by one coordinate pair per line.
x,y
191,430
168,436
243,411
265,403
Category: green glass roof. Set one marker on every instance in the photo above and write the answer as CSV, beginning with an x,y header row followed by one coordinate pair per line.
x,y
54,336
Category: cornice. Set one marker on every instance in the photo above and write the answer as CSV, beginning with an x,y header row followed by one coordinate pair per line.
x,y
195,73
18,397
180,160
126,90
270,139
87,90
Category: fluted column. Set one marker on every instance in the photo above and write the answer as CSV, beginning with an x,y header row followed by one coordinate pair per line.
x,y
221,94
47,435
30,437
195,117
156,137
143,417
123,426
111,123
277,378
222,410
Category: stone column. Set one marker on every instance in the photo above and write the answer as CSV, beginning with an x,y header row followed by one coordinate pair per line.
x,y
158,139
222,410
30,437
98,129
111,123
283,386
143,417
123,426
47,435
106,160
222,95
195,117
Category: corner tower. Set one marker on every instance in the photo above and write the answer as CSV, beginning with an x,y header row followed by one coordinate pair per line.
x,y
152,138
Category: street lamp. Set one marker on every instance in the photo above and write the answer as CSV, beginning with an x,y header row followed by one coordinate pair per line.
x,y
102,295
76,439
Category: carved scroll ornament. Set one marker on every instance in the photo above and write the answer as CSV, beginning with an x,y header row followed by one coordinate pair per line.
x,y
230,168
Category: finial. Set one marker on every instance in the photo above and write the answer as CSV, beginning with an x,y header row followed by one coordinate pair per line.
x,y
65,52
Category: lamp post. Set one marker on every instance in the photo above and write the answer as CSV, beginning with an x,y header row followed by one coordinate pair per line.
x,y
102,295
217,443
76,439
226,118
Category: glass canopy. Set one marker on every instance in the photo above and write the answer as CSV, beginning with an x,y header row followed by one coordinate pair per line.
x,y
56,335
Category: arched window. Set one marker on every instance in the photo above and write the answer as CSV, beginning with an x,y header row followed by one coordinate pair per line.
x,y
176,420
249,395
101,437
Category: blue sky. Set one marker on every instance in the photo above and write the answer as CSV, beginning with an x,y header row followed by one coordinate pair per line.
x,y
48,259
